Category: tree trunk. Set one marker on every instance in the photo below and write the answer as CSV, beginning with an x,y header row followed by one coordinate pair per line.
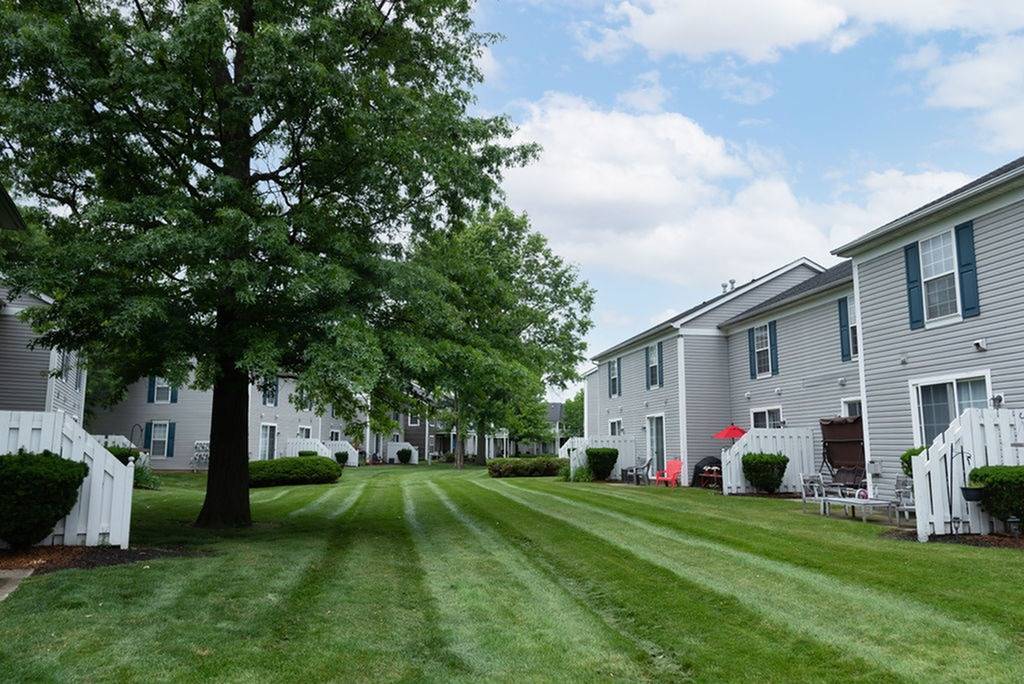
x,y
227,483
481,445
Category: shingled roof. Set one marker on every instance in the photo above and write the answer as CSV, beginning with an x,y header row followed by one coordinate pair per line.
x,y
832,278
10,217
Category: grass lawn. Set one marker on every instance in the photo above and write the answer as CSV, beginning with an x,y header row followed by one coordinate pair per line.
x,y
424,573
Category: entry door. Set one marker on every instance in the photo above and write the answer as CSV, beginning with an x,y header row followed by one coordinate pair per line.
x,y
268,442
656,440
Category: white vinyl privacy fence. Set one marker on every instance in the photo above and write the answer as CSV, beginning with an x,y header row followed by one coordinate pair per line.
x,y
795,443
978,437
294,446
343,446
575,450
102,514
392,449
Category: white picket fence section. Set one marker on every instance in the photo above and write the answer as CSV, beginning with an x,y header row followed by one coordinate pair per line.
x,y
342,445
392,448
978,437
576,451
294,446
795,443
102,514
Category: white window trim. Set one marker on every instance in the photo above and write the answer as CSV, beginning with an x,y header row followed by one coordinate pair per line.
x,y
259,445
305,427
334,436
277,398
914,383
167,435
651,352
768,336
664,437
414,421
948,319
765,409
158,383
610,423
846,400
615,363
851,312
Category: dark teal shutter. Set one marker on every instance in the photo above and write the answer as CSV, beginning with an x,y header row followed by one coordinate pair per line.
x,y
174,395
170,440
647,367
750,351
610,379
773,342
277,391
151,392
618,370
844,329
147,437
969,304
915,296
661,367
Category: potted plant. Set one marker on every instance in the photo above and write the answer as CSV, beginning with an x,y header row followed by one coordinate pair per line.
x,y
972,494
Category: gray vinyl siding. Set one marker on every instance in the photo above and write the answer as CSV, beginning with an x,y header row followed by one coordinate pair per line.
x,y
636,402
764,291
939,351
811,368
331,422
706,360
23,371
285,415
593,398
191,416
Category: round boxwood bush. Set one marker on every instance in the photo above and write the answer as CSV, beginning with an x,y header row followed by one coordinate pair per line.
x,y
601,461
404,456
906,460
36,491
1002,490
293,471
765,471
123,454
341,457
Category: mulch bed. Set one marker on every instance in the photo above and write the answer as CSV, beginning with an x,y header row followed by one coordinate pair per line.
x,y
43,559
994,541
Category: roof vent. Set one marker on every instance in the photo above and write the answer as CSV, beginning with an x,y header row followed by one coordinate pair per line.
x,y
725,287
732,284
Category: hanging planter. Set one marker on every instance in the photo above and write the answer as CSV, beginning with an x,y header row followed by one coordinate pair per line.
x,y
972,494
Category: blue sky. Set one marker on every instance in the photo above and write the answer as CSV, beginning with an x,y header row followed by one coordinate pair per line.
x,y
687,142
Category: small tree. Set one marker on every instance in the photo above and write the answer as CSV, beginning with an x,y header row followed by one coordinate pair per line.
x,y
572,415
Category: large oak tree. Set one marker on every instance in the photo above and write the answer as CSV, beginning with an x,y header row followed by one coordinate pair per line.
x,y
230,185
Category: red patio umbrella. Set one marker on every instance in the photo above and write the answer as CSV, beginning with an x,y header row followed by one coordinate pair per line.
x,y
733,432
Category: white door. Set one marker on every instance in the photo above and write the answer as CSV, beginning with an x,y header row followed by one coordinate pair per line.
x,y
268,441
656,440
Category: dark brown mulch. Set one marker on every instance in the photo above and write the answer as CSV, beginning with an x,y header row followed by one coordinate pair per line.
x,y
994,541
43,559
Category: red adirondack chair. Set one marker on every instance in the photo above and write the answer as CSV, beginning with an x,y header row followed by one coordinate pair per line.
x,y
670,475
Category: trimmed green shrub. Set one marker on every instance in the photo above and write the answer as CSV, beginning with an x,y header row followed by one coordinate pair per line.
x,y
765,471
293,471
308,454
523,467
123,454
449,458
906,460
1002,490
583,474
341,457
533,455
404,456
601,461
145,478
564,470
36,490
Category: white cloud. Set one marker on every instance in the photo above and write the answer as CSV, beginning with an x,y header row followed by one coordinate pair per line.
x,y
657,197
737,87
647,96
759,31
988,81
488,65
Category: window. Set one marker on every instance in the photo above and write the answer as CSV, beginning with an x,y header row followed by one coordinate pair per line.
x,y
613,378
762,351
161,392
851,408
158,441
270,394
651,354
414,421
268,441
851,307
335,436
656,440
615,427
939,403
78,376
938,275
766,418
305,432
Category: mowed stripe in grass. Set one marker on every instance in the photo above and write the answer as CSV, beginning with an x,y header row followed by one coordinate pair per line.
x,y
892,633
482,611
